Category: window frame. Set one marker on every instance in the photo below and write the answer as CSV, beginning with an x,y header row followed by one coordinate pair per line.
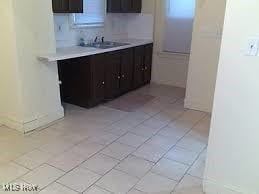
x,y
161,12
87,25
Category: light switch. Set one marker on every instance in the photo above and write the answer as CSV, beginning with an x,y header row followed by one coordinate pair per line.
x,y
252,47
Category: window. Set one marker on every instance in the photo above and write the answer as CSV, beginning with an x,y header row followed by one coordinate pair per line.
x,y
179,26
94,14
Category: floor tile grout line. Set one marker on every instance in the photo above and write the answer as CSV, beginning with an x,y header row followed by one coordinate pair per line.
x,y
171,120
86,139
39,167
169,150
65,186
186,173
157,131
114,168
164,154
150,171
55,167
21,165
136,190
185,148
177,181
189,132
123,159
173,160
87,187
100,188
85,160
127,156
78,166
105,146
174,103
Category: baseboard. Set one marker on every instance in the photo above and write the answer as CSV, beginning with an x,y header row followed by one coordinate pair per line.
x,y
168,83
12,124
211,187
196,106
34,124
43,121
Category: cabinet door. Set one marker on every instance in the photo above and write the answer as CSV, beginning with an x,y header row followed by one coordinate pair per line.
x,y
114,6
148,63
138,75
76,6
126,6
136,6
112,75
126,82
75,77
98,78
60,6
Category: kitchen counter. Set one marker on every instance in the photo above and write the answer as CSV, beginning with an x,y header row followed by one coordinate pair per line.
x,y
77,51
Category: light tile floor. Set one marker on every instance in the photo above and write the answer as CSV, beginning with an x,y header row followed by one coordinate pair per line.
x,y
158,148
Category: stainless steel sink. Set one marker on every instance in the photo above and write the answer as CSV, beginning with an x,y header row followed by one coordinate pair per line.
x,y
106,45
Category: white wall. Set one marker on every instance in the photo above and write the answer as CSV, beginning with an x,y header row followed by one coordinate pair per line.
x,y
36,83
204,57
35,35
10,89
233,156
140,26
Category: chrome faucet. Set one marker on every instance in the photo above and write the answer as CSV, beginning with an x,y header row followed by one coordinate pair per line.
x,y
100,40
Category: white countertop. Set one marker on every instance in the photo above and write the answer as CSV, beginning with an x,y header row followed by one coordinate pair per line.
x,y
77,51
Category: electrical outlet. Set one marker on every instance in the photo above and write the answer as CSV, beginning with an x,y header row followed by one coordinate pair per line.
x,y
59,28
252,47
61,31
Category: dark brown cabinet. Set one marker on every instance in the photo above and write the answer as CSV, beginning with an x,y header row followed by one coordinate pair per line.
x,y
142,65
148,56
114,6
136,6
88,81
67,6
73,74
138,74
126,71
97,82
118,73
124,6
112,75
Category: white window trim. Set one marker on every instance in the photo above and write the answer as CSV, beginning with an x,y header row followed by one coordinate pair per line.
x,y
78,26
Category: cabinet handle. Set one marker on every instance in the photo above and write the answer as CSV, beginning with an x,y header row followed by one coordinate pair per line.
x,y
103,83
119,77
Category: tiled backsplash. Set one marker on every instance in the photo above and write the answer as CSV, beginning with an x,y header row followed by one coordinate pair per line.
x,y
117,26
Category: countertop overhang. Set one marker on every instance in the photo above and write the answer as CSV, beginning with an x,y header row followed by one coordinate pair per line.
x,y
77,51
